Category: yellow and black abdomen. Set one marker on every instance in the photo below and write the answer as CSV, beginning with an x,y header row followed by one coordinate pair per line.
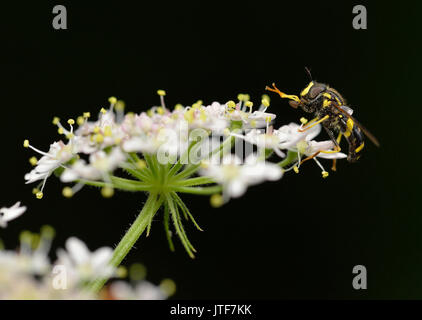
x,y
354,137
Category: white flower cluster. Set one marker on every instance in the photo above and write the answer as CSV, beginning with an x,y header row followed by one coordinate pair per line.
x,y
27,273
230,146
97,148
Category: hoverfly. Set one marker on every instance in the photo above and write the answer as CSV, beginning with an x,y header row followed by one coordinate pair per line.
x,y
329,109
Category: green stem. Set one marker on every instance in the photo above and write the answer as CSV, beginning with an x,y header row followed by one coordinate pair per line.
x,y
190,170
184,158
179,227
95,183
119,183
137,173
198,190
151,164
185,209
130,238
194,181
166,225
122,183
291,157
141,174
226,143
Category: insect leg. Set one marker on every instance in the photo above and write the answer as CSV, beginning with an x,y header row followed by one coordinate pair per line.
x,y
336,149
310,157
310,122
313,123
334,167
337,146
340,135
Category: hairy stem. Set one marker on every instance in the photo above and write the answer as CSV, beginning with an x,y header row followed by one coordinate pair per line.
x,y
129,239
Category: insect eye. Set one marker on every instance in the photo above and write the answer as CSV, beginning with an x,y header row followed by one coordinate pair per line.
x,y
316,90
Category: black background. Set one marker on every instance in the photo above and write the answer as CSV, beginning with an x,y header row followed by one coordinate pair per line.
x,y
297,238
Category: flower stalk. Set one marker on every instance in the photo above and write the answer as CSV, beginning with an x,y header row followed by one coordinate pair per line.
x,y
162,183
151,206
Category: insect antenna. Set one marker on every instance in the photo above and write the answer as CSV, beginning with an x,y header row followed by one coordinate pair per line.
x,y
308,72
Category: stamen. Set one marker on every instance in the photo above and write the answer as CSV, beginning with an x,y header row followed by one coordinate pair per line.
x,y
27,145
324,173
249,104
216,200
162,93
303,120
33,161
178,107
120,109
197,104
160,110
231,104
266,97
61,129
299,158
42,187
107,192
120,105
67,192
47,232
265,103
121,272
56,121
189,115
25,239
112,100
243,98
80,120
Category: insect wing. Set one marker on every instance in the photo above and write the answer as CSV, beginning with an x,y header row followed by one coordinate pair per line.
x,y
347,109
343,110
